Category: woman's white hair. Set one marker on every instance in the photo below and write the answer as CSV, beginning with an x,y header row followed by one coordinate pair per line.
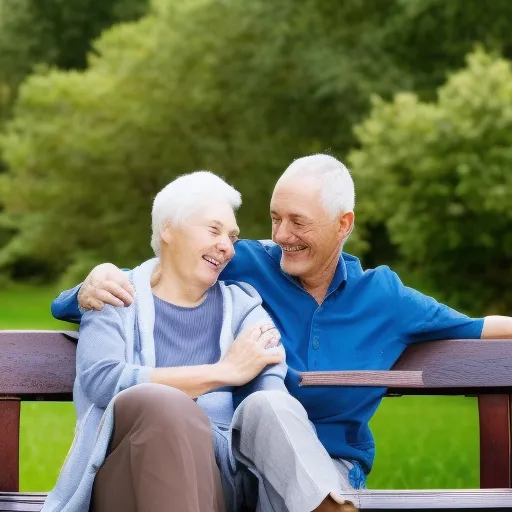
x,y
336,184
186,195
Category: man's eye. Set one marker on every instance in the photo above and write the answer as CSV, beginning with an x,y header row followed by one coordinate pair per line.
x,y
233,238
214,231
275,221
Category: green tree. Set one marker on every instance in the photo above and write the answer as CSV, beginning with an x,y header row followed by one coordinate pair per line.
x,y
49,33
55,32
233,87
437,177
239,87
428,39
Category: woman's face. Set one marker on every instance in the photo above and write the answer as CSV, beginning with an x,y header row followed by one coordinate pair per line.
x,y
202,246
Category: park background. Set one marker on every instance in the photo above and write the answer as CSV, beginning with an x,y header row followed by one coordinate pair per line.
x,y
103,102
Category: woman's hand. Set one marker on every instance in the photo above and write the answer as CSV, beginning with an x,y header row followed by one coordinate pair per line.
x,y
254,349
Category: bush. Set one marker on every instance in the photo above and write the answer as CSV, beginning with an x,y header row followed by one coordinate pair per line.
x,y
438,177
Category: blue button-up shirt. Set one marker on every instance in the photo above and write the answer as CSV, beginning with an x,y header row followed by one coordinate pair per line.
x,y
365,322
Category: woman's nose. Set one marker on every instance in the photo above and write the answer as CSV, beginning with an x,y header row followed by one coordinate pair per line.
x,y
226,246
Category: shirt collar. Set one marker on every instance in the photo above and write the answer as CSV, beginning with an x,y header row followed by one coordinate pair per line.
x,y
340,275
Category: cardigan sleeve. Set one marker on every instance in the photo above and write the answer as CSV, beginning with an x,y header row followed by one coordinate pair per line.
x,y
249,311
101,365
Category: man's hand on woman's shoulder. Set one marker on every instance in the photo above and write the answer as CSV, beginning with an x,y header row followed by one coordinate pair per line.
x,y
106,284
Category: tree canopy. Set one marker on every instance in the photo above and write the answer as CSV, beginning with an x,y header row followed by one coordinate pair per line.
x,y
55,32
436,177
243,88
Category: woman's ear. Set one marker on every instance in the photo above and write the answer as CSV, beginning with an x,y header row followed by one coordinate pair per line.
x,y
166,234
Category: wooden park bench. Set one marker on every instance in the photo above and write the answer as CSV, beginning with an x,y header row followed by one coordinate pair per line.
x,y
40,365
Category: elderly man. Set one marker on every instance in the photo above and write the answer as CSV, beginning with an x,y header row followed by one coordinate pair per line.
x,y
332,315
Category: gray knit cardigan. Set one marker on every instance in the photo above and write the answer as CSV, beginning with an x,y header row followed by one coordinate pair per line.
x,y
122,338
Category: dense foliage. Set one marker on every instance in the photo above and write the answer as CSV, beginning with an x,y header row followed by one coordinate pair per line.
x,y
243,88
437,177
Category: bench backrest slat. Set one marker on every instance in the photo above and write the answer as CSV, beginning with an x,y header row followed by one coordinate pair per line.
x,y
41,365
37,363
459,364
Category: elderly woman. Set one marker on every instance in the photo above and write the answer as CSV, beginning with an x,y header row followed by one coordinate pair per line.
x,y
157,382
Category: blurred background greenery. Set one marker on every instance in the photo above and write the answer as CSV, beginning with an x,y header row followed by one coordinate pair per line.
x,y
102,102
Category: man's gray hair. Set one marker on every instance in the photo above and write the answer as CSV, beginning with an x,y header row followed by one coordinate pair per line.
x,y
336,184
187,195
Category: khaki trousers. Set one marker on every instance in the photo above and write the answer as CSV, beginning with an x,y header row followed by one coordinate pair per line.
x,y
273,437
161,456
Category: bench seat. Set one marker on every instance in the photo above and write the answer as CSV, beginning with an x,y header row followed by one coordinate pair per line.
x,y
40,365
368,500
21,502
442,499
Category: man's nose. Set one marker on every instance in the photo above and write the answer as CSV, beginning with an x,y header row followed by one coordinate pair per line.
x,y
281,233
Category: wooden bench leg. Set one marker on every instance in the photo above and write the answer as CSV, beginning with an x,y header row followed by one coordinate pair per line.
x,y
9,445
495,452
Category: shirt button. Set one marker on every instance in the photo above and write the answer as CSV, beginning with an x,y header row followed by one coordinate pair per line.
x,y
316,342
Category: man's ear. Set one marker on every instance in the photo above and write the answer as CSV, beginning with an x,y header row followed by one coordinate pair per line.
x,y
346,224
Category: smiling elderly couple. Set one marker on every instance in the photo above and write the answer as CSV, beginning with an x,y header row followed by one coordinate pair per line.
x,y
183,399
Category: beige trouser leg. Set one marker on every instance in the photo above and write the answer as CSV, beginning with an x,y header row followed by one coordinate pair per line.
x,y
160,457
273,437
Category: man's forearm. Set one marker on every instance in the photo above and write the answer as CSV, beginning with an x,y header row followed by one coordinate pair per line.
x,y
192,380
497,327
65,306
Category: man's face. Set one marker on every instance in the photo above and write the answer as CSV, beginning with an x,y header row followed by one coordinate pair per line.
x,y
309,236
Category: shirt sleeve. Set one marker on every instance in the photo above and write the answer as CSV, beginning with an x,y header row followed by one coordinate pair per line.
x,y
101,365
422,318
241,267
65,306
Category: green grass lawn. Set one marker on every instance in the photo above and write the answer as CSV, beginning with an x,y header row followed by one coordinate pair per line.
x,y
422,442
27,307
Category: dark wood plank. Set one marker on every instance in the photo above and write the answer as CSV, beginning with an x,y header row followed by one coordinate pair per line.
x,y
379,378
487,499
449,364
494,416
37,364
9,444
21,502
